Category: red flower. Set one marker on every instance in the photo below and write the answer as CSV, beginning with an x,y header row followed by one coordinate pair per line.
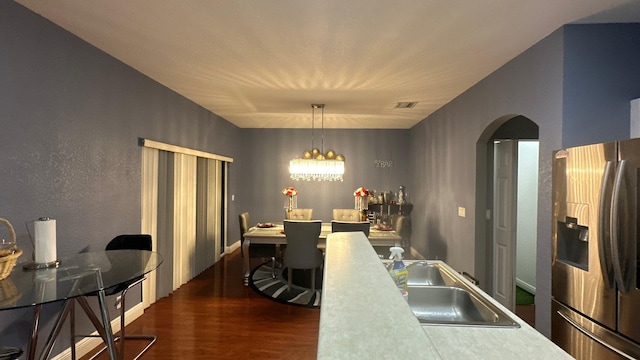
x,y
290,191
361,192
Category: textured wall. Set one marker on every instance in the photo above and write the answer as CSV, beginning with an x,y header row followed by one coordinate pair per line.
x,y
267,171
601,77
575,84
70,119
443,166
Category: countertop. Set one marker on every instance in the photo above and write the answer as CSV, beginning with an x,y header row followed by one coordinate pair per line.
x,y
364,316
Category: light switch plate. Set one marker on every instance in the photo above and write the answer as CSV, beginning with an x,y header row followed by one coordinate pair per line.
x,y
462,211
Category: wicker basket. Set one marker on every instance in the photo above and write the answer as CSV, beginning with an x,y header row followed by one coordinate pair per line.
x,y
8,257
9,293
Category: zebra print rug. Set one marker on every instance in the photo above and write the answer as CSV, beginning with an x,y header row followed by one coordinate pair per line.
x,y
276,289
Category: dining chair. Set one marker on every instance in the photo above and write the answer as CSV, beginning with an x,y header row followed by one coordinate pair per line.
x,y
302,248
298,214
126,242
351,226
347,215
256,250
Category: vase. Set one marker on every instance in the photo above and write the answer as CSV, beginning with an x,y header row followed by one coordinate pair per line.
x,y
361,203
291,202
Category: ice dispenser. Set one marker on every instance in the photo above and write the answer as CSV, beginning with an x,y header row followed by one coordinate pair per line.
x,y
573,243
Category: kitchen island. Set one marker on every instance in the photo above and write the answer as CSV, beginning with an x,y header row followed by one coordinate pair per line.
x,y
364,316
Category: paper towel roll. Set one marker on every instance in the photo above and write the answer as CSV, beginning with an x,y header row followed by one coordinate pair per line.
x,y
45,240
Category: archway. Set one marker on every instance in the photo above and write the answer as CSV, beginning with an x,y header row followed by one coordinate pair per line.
x,y
511,127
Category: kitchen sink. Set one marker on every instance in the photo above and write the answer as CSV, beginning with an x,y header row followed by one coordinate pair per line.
x,y
439,296
423,273
450,305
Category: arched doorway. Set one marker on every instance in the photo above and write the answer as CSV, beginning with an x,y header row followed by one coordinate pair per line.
x,y
496,263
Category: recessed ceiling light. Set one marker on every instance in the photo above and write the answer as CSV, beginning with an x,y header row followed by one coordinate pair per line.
x,y
406,105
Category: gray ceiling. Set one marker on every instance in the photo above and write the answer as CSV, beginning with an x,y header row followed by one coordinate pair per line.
x,y
261,64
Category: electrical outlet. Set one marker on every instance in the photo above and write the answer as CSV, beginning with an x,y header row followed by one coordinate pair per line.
x,y
118,301
462,211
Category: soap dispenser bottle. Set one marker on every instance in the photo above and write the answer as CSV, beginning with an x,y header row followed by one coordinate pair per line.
x,y
398,271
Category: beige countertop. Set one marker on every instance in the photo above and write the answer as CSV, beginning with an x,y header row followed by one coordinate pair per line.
x,y
364,316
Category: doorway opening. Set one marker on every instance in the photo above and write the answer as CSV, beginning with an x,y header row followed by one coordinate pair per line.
x,y
506,188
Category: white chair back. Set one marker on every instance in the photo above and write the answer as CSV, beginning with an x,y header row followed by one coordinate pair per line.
x,y
298,214
347,215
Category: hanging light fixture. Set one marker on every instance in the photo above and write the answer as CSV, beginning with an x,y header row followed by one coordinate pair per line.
x,y
315,164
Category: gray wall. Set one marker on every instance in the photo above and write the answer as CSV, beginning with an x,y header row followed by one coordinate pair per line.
x,y
267,158
443,152
575,85
601,77
70,119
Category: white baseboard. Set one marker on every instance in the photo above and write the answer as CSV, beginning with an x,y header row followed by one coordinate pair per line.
x,y
232,248
526,286
85,345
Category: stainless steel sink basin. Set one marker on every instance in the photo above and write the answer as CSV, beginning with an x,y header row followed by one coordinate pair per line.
x,y
449,305
438,296
423,273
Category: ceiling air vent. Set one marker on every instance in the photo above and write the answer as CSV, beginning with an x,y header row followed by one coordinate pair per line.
x,y
406,105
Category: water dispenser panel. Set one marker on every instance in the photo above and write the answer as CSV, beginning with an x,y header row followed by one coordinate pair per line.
x,y
573,243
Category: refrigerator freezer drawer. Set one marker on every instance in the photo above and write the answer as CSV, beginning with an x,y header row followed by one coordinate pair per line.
x,y
584,339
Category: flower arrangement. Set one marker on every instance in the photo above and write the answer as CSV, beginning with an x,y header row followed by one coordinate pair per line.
x,y
290,191
361,199
361,192
291,198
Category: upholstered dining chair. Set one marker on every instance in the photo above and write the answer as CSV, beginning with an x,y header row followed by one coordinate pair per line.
x,y
347,215
302,248
298,214
256,250
351,226
127,242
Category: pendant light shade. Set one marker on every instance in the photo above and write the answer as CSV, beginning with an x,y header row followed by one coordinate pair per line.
x,y
315,164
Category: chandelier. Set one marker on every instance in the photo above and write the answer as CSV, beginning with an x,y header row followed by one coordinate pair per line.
x,y
315,164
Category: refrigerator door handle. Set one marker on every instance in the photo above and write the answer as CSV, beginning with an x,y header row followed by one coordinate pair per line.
x,y
591,335
604,226
615,227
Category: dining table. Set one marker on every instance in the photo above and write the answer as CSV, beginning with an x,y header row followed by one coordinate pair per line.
x,y
273,233
74,279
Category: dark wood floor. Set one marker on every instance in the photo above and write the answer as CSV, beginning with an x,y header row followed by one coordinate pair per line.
x,y
215,316
527,313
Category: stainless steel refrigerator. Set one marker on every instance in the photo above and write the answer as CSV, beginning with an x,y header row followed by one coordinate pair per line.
x,y
595,273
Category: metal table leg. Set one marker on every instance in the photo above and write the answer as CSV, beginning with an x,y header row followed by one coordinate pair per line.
x,y
246,261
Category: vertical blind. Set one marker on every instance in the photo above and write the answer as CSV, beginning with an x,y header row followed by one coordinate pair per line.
x,y
183,208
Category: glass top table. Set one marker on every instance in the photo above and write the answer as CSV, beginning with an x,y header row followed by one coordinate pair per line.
x,y
76,277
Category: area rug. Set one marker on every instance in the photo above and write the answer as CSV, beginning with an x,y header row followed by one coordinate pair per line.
x,y
276,289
